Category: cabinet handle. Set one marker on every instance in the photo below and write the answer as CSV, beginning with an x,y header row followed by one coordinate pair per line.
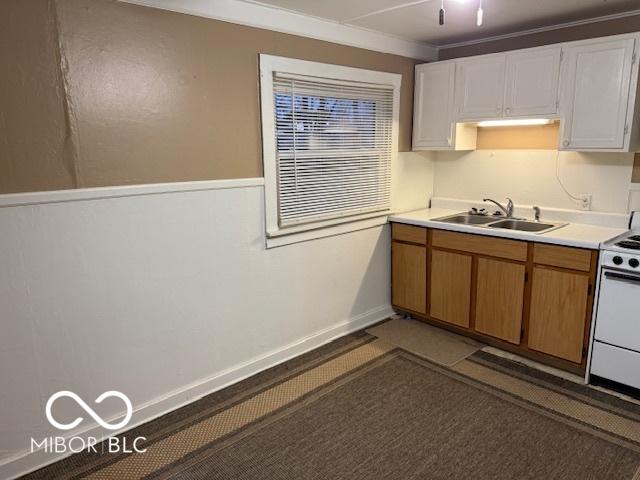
x,y
565,143
508,110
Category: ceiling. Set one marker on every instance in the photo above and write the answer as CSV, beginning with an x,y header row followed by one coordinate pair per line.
x,y
417,20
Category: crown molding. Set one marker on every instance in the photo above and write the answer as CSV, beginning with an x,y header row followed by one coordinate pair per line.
x,y
285,21
558,26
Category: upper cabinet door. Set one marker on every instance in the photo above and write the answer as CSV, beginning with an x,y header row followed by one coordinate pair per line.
x,y
433,106
532,78
480,87
595,95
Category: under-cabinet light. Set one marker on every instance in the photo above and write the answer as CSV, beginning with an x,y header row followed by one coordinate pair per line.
x,y
515,123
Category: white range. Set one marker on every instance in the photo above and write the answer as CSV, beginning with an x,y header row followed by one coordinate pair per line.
x,y
615,353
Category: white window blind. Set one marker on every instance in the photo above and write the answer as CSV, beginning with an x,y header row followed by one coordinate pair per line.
x,y
333,148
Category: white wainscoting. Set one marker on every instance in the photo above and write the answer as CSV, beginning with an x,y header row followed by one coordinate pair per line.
x,y
165,295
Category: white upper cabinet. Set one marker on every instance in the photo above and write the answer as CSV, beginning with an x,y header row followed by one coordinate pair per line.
x,y
480,87
591,86
532,78
433,123
598,95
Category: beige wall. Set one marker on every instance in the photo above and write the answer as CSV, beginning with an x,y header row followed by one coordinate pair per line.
x,y
35,144
580,32
153,96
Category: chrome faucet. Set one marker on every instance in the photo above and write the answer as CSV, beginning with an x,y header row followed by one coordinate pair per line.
x,y
508,210
536,213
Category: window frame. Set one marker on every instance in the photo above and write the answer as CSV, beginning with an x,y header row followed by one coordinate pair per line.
x,y
269,64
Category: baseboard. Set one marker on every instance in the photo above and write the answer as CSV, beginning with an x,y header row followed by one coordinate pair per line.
x,y
25,462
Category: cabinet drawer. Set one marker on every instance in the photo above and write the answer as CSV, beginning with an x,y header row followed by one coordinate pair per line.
x,y
491,246
563,257
614,363
409,233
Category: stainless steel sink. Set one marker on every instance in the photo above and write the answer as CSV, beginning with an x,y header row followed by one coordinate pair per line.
x,y
524,226
466,219
485,221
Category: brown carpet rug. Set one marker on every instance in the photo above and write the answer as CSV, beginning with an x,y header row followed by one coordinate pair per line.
x,y
367,410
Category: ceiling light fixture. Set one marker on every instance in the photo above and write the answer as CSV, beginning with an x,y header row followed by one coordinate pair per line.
x,y
479,15
442,13
515,123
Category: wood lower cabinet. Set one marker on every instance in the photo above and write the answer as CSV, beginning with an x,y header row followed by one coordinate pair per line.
x,y
450,287
409,277
499,299
559,302
529,298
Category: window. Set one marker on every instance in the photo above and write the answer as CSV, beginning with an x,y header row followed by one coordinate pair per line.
x,y
329,138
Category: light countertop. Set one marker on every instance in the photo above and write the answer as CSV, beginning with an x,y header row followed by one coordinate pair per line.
x,y
572,235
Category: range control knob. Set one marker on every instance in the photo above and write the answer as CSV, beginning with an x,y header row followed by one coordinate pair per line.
x,y
618,260
634,262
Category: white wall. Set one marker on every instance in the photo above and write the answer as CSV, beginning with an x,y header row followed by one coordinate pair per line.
x,y
528,176
164,297
412,181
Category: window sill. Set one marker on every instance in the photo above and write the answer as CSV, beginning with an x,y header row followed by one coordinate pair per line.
x,y
329,231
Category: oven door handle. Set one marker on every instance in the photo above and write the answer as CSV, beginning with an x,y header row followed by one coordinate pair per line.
x,y
622,277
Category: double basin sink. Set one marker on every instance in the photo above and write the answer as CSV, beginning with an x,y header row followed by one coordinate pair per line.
x,y
500,222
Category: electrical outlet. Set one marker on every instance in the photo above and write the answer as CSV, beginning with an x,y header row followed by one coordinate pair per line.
x,y
585,201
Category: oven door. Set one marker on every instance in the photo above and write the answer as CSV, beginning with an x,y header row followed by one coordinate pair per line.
x,y
618,318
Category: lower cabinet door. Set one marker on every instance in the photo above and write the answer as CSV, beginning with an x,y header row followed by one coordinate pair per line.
x,y
450,287
409,277
558,313
499,299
